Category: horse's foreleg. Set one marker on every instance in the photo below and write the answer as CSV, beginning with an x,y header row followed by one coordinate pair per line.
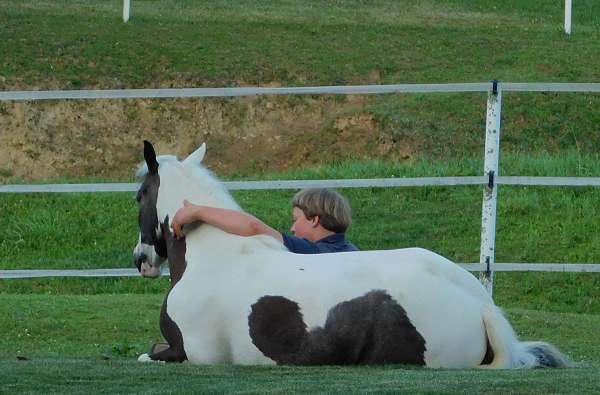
x,y
174,352
169,355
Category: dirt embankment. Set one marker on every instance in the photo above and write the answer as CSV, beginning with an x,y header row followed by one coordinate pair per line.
x,y
54,139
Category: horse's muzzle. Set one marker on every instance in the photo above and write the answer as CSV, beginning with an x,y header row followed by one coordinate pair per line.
x,y
138,259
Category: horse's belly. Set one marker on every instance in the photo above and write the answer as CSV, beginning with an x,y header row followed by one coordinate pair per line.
x,y
450,321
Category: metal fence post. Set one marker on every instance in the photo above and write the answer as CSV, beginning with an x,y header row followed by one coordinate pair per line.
x,y
568,9
490,192
126,10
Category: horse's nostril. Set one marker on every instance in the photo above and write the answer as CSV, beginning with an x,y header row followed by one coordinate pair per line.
x,y
138,260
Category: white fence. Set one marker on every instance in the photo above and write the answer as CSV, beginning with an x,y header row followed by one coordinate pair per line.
x,y
490,179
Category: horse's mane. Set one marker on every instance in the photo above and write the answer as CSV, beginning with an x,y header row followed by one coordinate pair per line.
x,y
211,185
197,175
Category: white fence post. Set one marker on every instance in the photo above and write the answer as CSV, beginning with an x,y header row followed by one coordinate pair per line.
x,y
490,192
568,8
126,10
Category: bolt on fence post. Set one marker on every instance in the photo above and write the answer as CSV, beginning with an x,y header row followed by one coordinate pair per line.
x,y
490,192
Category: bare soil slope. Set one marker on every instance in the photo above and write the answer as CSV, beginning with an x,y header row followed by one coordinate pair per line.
x,y
56,139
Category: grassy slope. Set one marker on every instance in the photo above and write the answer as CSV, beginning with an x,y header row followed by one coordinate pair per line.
x,y
83,44
76,43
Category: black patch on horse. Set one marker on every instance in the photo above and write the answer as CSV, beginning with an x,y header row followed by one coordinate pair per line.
x,y
147,196
176,249
488,358
371,329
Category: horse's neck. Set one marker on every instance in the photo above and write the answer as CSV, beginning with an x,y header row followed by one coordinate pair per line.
x,y
205,240
176,269
174,189
207,244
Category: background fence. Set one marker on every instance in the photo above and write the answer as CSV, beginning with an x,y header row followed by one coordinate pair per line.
x,y
490,179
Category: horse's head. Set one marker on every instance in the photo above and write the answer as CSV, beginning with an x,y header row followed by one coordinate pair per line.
x,y
166,182
150,252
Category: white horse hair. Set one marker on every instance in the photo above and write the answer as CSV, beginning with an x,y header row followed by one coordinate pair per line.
x,y
226,274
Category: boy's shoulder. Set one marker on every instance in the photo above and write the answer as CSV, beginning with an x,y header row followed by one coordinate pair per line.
x,y
334,243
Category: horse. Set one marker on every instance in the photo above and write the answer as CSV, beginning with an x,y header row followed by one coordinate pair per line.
x,y
221,277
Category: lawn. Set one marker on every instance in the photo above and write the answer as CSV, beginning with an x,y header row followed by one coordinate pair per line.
x,y
88,343
219,43
110,376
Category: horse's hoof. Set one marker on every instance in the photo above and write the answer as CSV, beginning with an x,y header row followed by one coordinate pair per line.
x,y
145,358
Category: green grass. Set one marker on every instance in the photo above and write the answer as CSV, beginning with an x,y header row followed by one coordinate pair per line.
x,y
73,342
85,43
95,376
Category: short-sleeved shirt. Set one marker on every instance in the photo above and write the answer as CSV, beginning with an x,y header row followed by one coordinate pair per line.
x,y
334,243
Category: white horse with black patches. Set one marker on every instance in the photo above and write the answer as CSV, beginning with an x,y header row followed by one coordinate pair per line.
x,y
434,305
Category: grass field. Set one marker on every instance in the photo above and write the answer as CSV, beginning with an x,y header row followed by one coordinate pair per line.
x,y
97,376
101,325
72,343
221,43
83,335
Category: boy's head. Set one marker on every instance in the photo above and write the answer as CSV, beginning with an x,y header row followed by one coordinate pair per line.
x,y
332,209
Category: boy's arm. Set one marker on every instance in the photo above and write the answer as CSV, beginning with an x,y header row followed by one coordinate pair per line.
x,y
230,221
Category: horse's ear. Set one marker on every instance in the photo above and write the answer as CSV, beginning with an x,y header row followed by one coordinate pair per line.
x,y
150,157
196,156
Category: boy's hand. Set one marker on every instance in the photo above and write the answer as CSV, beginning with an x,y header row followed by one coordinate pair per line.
x,y
183,216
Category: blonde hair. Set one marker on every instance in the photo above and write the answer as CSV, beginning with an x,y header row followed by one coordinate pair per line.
x,y
332,208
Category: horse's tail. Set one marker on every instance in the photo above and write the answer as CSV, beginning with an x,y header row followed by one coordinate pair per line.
x,y
510,353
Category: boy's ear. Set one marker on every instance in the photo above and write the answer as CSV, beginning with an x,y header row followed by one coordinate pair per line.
x,y
315,221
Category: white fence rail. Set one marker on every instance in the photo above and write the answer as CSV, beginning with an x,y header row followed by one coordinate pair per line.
x,y
319,90
473,267
490,179
339,183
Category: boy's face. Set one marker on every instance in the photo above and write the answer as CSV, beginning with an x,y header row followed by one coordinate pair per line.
x,y
302,226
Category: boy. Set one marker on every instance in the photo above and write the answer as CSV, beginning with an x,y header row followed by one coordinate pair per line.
x,y
321,217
